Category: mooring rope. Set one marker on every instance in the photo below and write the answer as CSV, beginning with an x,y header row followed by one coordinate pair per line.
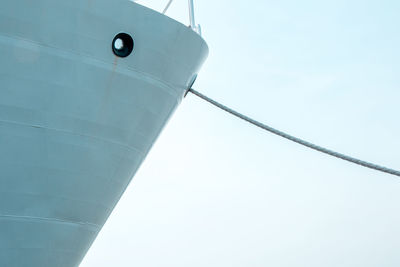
x,y
295,139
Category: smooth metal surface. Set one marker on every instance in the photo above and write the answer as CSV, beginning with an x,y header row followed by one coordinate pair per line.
x,y
76,121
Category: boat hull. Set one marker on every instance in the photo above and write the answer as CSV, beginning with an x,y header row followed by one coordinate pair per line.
x,y
76,121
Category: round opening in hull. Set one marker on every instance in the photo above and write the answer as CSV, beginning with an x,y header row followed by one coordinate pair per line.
x,y
122,45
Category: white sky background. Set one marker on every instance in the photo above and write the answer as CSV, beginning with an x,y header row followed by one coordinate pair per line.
x,y
215,191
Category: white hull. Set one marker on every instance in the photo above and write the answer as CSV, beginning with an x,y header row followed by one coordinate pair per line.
x,y
76,121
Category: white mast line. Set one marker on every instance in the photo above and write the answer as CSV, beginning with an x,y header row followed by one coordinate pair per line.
x,y
191,15
166,8
193,25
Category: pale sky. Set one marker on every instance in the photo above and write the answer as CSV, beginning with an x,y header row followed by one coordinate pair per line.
x,y
215,191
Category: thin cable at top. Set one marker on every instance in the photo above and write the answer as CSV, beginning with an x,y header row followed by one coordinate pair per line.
x,y
295,139
167,6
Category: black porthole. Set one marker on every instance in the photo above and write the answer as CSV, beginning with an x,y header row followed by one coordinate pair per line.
x,y
122,45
